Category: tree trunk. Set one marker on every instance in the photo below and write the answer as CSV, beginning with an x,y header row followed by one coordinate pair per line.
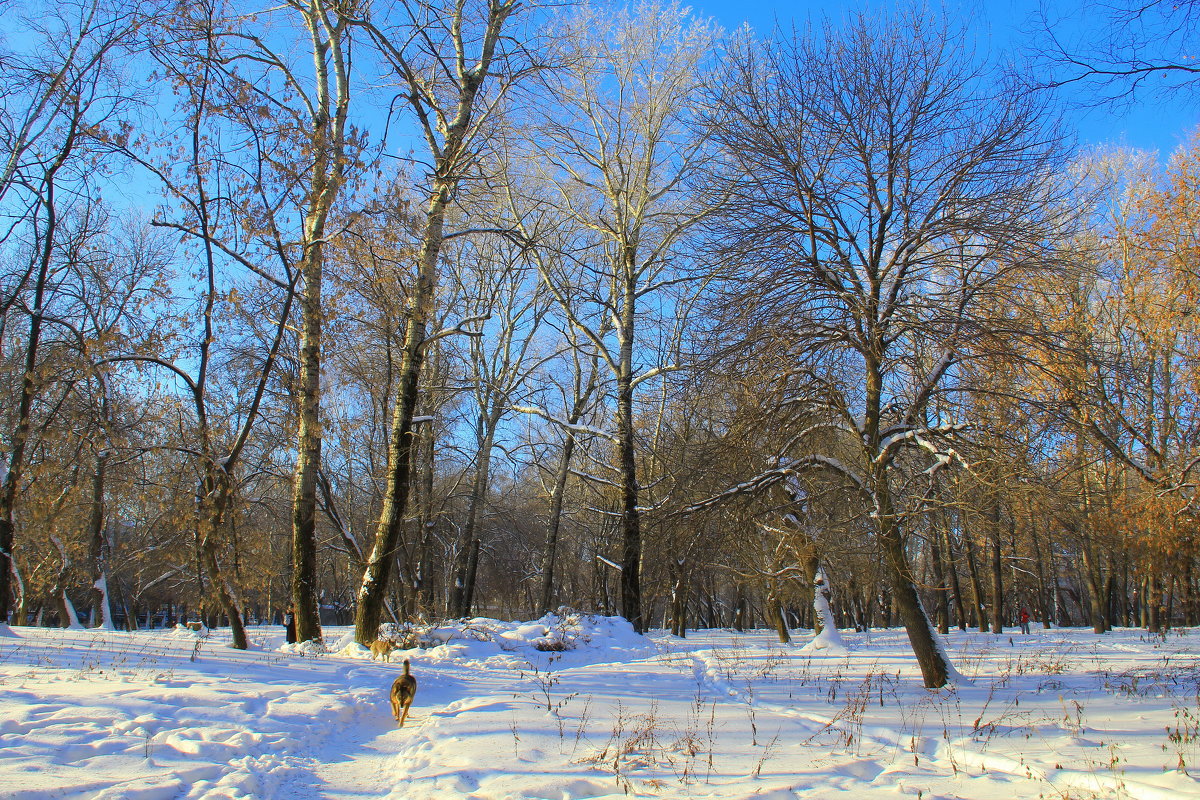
x,y
935,671
472,572
308,462
462,596
451,159
422,578
1192,602
1168,611
377,575
1060,615
941,591
213,507
775,616
1153,603
678,600
14,469
327,25
980,609
810,563
631,532
1043,593
1121,599
554,523
66,611
997,567
1097,596
955,583
98,545
739,607
549,555
21,615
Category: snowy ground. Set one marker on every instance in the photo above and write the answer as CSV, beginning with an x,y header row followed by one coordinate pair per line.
x,y
1057,714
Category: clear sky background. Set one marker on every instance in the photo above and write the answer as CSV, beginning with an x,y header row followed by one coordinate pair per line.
x,y
999,26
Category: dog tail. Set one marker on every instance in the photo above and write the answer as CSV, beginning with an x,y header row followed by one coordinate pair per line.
x,y
406,666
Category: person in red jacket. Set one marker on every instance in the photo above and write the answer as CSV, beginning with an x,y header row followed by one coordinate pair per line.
x,y
1024,620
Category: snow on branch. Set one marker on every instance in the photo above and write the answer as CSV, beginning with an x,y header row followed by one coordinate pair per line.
x,y
595,479
895,441
653,373
460,328
573,427
759,482
942,458
839,467
765,480
1122,455
931,382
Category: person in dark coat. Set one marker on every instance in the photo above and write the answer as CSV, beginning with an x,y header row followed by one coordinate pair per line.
x,y
289,623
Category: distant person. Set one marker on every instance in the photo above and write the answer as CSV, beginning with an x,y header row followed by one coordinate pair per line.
x,y
1024,620
289,623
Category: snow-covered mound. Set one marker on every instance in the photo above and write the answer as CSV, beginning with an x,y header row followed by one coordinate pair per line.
x,y
563,639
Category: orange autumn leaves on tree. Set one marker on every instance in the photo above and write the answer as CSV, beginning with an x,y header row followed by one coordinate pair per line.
x,y
1175,238
1125,329
1158,527
1127,369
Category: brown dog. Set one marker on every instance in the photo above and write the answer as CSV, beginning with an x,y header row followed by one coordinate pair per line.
x,y
404,689
381,649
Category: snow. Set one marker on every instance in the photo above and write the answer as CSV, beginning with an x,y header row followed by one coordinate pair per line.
x,y
101,585
573,427
575,706
830,638
610,563
72,616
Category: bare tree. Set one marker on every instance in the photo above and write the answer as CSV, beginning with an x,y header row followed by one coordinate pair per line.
x,y
1118,50
324,115
57,95
66,47
445,58
496,288
883,204
239,206
579,392
616,146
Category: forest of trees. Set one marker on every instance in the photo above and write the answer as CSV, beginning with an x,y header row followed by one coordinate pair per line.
x,y
417,309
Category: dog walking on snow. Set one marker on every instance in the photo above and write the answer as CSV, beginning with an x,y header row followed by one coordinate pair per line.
x,y
381,650
403,690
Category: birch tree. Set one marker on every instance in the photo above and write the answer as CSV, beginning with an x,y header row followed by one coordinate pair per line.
x,y
324,117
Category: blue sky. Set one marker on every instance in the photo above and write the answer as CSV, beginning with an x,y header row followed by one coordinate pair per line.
x,y
998,26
